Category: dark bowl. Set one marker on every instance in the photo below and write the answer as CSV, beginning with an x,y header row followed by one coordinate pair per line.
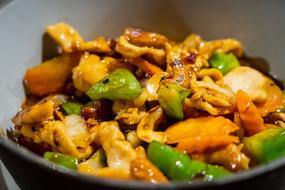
x,y
259,25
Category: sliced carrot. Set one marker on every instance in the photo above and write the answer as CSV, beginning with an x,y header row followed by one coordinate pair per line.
x,y
202,126
274,101
204,143
249,115
50,76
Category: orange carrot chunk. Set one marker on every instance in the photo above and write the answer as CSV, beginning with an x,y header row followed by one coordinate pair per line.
x,y
202,126
205,143
50,77
250,117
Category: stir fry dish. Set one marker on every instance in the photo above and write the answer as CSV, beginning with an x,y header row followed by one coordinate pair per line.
x,y
144,107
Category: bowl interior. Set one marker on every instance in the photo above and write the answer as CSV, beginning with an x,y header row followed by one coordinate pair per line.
x,y
259,26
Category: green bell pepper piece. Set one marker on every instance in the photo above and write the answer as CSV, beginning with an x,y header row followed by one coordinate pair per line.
x,y
178,166
267,145
72,108
215,172
97,160
170,98
61,159
224,62
121,84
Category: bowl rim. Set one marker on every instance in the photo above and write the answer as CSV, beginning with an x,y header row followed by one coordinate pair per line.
x,y
31,157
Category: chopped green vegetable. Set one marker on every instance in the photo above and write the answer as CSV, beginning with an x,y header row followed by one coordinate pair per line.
x,y
121,84
224,62
215,172
72,108
178,166
267,145
92,104
97,160
170,98
61,159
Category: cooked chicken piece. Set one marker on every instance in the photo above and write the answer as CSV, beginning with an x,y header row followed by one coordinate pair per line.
x,y
119,152
248,80
275,99
99,45
57,99
127,113
66,36
192,42
214,74
130,50
40,112
88,72
66,137
69,136
215,98
199,62
121,105
208,48
35,114
91,69
231,157
76,130
130,116
175,66
142,38
181,75
70,40
146,127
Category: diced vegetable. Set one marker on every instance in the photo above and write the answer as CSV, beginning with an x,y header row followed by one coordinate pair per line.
x,y
97,160
204,143
121,84
224,62
267,145
178,166
202,126
250,117
133,139
50,77
215,172
170,97
72,108
61,159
